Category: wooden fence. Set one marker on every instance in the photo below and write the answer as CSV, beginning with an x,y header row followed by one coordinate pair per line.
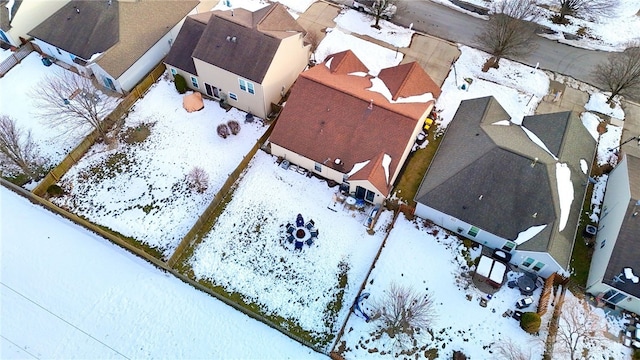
x,y
15,58
116,116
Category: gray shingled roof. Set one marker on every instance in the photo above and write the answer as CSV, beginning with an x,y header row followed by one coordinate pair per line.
x,y
256,38
494,177
180,54
81,27
626,252
5,23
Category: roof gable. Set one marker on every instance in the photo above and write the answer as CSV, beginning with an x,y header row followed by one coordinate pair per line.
x,y
375,173
94,25
345,62
549,128
408,80
180,54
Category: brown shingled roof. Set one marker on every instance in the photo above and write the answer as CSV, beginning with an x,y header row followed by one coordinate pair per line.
x,y
346,62
408,80
329,116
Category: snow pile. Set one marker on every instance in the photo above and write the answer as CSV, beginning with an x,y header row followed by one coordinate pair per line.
x,y
565,191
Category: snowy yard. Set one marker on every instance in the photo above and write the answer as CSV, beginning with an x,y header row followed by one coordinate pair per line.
x,y
139,188
16,89
246,252
69,294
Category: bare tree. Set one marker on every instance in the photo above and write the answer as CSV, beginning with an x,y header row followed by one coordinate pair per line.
x,y
509,31
198,179
18,148
313,39
578,326
620,74
403,315
587,9
508,350
379,9
71,101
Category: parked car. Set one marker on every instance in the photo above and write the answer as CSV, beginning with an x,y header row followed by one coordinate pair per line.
x,y
524,302
369,6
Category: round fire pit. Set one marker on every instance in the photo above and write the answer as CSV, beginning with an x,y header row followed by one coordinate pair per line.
x,y
300,234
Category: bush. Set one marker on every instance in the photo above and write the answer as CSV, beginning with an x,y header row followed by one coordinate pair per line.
x,y
198,179
180,82
530,322
636,354
55,190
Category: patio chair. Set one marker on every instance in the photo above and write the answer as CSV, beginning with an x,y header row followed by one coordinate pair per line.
x,y
290,229
314,233
299,221
290,238
309,225
299,245
310,241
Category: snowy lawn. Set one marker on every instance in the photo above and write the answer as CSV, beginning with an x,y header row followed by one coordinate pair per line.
x,y
517,87
68,294
139,189
606,34
427,259
360,23
308,291
15,91
295,7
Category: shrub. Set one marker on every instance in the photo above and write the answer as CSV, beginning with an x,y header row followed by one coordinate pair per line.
x,y
55,190
530,322
180,82
636,354
198,179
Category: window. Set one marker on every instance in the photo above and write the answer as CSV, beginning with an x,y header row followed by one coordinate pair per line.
x,y
370,196
508,246
538,266
318,167
614,296
602,243
173,71
473,231
246,86
527,262
233,96
59,52
194,82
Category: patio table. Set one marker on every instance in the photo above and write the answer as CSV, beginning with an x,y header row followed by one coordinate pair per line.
x,y
526,285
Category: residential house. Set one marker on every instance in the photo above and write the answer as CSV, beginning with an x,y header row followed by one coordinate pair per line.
x,y
615,265
118,42
246,59
348,126
17,17
511,187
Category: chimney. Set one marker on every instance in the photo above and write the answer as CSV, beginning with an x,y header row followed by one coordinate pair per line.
x,y
535,161
232,12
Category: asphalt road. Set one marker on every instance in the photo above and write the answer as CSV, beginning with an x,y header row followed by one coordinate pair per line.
x,y
455,26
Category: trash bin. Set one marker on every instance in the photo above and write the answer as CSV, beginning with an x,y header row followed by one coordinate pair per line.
x,y
46,61
590,231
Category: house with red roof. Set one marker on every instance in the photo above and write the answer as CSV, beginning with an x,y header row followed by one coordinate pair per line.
x,y
346,125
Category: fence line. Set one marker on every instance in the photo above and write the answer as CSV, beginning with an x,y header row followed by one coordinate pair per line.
x,y
112,119
15,58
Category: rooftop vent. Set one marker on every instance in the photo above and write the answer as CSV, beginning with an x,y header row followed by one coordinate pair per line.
x,y
370,107
338,161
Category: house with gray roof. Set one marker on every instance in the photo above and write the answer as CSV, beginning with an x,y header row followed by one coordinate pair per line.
x,y
18,17
246,59
614,276
117,41
518,188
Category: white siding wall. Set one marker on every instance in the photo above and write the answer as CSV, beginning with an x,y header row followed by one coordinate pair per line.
x,y
61,55
630,303
488,239
29,15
